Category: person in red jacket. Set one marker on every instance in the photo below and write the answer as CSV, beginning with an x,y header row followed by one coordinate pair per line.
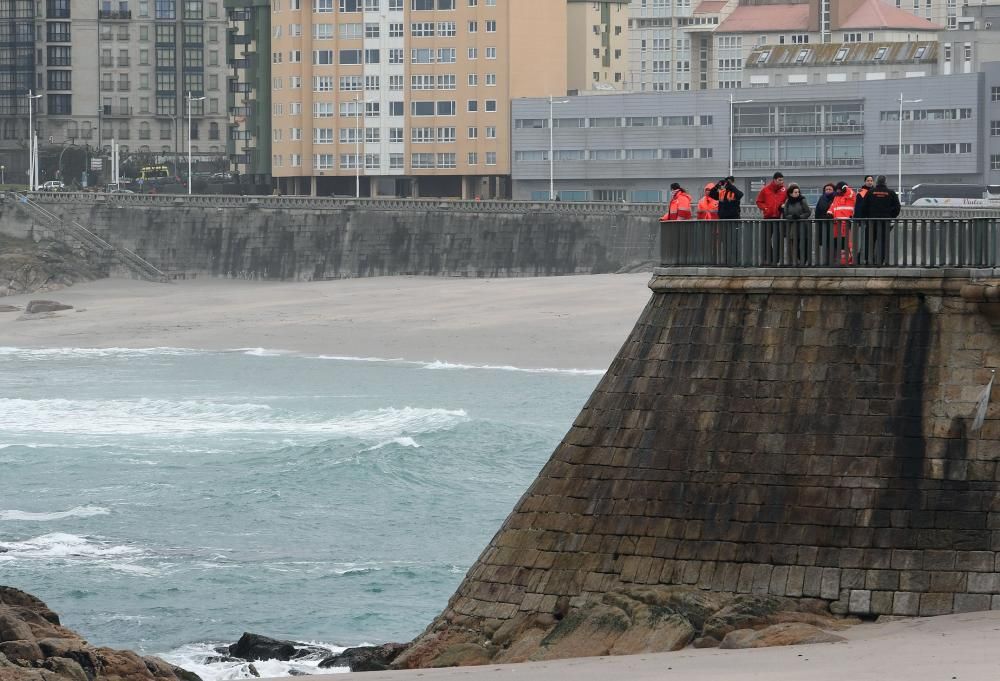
x,y
769,200
708,208
842,210
680,205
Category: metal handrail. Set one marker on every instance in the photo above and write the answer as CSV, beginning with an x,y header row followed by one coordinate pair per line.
x,y
125,256
933,242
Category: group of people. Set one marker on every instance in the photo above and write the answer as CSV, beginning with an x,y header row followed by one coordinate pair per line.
x,y
786,212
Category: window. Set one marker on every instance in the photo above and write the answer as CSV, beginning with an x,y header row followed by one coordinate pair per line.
x,y
446,108
322,6
446,160
58,31
351,83
422,108
994,161
446,81
395,30
473,53
60,56
491,158
396,135
491,105
491,53
446,55
371,30
60,105
422,135
491,132
395,83
472,105
421,161
491,79
472,159
422,82
473,80
350,5
491,26
349,57
322,109
421,5
995,94
322,161
422,56
472,133
323,83
841,54
446,134
422,29
373,135
446,29
473,26
994,128
880,53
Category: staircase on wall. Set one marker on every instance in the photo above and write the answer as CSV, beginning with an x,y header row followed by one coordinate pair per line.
x,y
85,238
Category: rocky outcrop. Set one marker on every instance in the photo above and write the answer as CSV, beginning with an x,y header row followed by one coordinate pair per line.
x,y
39,306
365,658
48,265
34,646
630,621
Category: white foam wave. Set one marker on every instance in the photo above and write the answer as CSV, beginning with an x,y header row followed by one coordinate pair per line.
x,y
48,353
168,417
437,364
210,665
60,545
401,441
77,512
261,352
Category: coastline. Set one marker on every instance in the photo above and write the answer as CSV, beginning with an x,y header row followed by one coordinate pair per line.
x,y
921,649
573,322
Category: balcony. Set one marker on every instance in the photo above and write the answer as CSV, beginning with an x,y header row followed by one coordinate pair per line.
x,y
834,128
124,86
107,86
123,61
107,62
802,163
114,15
240,63
113,111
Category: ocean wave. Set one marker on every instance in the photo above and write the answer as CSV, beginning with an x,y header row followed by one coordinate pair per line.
x,y
77,512
204,660
438,364
61,545
261,352
401,441
48,353
160,417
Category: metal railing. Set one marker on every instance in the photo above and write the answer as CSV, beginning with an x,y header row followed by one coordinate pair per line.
x,y
926,242
94,243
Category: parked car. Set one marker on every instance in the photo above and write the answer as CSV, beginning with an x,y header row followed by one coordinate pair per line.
x,y
52,186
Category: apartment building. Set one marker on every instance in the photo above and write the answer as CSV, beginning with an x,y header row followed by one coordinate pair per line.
x,y
684,45
249,89
598,45
406,97
631,146
108,70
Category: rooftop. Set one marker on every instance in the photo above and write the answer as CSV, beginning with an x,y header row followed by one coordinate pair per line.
x,y
766,19
878,14
778,56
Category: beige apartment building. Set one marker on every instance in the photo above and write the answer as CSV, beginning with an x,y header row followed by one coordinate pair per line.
x,y
598,57
406,97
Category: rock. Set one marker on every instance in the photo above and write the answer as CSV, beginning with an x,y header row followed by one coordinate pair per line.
x,y
21,651
37,306
790,634
48,651
253,671
366,658
705,642
252,647
744,612
9,308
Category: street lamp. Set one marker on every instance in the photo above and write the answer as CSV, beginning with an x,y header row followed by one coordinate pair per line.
x,y
899,159
190,99
552,152
357,146
32,144
732,125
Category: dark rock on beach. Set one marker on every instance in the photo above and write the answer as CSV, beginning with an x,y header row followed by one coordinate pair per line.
x,y
38,306
34,646
256,647
366,658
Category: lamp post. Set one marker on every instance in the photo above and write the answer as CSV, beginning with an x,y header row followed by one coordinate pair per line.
x,y
552,151
32,144
190,99
732,125
357,146
899,158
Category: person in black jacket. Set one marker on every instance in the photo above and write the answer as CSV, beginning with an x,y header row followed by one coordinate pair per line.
x,y
824,223
729,197
879,207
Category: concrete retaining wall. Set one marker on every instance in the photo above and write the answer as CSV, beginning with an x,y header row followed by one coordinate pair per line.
x,y
306,243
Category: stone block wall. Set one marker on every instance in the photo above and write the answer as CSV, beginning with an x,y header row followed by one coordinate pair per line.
x,y
337,241
803,436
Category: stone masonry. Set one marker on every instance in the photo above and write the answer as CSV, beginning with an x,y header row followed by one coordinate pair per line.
x,y
803,435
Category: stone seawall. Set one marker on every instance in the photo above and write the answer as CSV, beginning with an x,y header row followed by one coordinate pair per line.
x,y
800,436
259,241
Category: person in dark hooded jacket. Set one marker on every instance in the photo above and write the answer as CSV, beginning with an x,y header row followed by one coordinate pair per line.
x,y
796,212
879,207
824,224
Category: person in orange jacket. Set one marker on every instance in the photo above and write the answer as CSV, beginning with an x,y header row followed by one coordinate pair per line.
x,y
680,205
842,210
708,208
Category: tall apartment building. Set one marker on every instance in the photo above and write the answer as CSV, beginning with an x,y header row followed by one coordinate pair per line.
x,y
249,90
598,47
17,77
108,70
406,97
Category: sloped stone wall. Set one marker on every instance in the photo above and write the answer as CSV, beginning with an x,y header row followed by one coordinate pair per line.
x,y
792,435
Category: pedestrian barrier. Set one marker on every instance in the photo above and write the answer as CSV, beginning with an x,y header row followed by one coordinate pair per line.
x,y
901,242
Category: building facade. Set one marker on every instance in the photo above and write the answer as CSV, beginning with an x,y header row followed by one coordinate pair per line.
x,y
598,56
248,90
406,97
17,77
630,147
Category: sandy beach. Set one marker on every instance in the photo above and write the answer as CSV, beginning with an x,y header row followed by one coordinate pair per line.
x,y
959,647
560,322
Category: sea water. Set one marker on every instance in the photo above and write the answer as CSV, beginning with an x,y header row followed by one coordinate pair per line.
x,y
167,500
